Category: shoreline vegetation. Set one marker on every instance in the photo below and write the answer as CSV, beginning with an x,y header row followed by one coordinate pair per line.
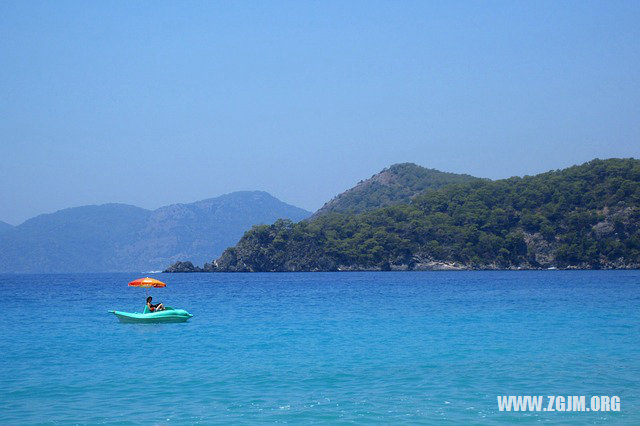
x,y
581,217
188,267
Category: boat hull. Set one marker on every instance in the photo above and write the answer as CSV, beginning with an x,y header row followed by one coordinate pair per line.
x,y
169,315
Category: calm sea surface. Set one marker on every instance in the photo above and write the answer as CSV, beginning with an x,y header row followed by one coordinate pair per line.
x,y
409,347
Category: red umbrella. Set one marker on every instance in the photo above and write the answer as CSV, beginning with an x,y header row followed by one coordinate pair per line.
x,y
146,282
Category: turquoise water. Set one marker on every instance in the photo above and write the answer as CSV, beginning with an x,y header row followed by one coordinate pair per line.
x,y
414,347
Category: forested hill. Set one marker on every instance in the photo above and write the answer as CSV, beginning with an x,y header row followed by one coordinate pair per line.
x,y
394,185
585,216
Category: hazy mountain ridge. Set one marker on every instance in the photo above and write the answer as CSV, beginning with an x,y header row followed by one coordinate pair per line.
x,y
585,216
200,227
120,237
395,184
4,226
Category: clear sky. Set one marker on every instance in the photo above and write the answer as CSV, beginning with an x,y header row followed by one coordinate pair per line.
x,y
151,103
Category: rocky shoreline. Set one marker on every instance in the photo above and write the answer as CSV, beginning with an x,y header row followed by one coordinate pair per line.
x,y
189,267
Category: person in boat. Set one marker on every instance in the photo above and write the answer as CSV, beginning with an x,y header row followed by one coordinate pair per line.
x,y
152,307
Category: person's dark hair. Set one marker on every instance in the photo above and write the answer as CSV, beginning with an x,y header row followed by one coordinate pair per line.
x,y
149,299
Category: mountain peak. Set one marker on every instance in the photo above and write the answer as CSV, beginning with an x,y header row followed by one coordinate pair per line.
x,y
398,183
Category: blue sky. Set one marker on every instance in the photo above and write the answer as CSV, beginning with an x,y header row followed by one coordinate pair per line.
x,y
152,103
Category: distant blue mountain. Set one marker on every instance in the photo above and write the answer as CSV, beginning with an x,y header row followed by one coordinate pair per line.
x,y
4,226
120,237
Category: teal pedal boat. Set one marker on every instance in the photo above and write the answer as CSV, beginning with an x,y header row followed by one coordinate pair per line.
x,y
168,315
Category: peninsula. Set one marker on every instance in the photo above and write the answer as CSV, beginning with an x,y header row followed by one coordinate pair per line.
x,y
582,217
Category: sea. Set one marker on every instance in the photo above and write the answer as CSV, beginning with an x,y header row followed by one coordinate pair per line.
x,y
320,348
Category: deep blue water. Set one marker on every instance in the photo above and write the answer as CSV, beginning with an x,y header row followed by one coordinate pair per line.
x,y
414,347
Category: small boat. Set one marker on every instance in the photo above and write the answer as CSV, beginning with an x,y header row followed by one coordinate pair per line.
x,y
168,315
